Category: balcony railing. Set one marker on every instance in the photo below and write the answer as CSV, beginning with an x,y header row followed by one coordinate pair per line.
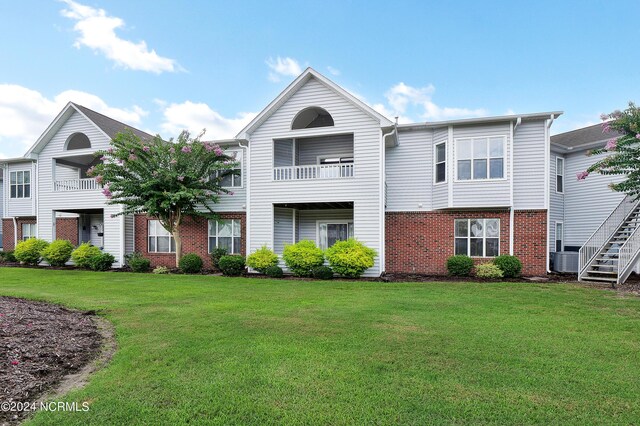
x,y
320,171
75,185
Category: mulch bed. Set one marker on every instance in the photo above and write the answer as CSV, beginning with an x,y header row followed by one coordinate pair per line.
x,y
40,344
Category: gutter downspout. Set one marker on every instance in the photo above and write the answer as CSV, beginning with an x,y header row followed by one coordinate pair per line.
x,y
15,232
511,178
247,201
383,182
547,144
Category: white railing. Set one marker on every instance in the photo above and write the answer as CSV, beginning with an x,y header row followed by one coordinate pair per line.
x,y
603,234
75,185
321,171
628,256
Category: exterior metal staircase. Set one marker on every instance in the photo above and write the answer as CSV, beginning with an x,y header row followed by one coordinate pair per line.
x,y
613,250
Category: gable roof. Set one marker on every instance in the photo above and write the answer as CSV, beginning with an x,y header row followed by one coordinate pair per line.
x,y
584,137
292,88
106,125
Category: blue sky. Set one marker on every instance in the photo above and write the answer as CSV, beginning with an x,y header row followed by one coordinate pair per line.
x,y
164,65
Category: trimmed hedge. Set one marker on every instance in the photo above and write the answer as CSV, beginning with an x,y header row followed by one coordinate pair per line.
x,y
232,265
101,262
262,259
274,272
30,251
350,258
302,257
138,263
8,256
190,263
216,254
510,266
58,252
459,265
488,270
83,254
323,273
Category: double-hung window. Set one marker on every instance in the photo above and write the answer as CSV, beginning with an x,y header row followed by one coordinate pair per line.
x,y
160,240
331,232
477,237
559,236
225,234
20,183
440,157
480,158
29,230
559,174
232,180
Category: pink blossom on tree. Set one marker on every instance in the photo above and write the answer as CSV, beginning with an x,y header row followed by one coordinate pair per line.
x,y
611,144
582,175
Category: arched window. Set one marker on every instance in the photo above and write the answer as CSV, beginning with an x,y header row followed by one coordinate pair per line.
x,y
78,141
312,117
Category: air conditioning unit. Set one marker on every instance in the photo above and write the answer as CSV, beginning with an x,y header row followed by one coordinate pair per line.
x,y
566,262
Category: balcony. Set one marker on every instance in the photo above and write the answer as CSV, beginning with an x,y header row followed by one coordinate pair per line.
x,y
315,171
88,184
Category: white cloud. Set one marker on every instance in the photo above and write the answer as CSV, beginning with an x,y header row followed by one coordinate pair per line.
x,y
283,67
333,71
97,31
26,113
195,116
417,101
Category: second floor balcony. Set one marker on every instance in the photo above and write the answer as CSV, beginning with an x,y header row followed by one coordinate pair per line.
x,y
325,157
87,184
69,173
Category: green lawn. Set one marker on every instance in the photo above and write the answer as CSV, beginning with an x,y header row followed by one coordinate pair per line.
x,y
202,349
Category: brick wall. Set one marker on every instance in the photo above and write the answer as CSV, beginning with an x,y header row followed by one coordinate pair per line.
x,y
195,239
67,229
7,231
421,242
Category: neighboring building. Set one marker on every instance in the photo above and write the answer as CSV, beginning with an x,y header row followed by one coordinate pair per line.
x,y
318,163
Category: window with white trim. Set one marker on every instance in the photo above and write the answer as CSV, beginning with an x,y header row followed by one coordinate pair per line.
x,y
29,230
560,174
160,240
233,180
559,236
477,237
331,232
480,158
226,234
20,184
440,159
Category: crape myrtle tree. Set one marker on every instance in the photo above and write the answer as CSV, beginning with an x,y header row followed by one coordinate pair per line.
x,y
167,180
623,150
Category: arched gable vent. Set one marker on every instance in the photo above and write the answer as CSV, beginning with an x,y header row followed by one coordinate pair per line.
x,y
78,141
312,117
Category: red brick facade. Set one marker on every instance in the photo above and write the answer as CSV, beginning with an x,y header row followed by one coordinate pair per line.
x,y
195,239
67,229
8,232
421,242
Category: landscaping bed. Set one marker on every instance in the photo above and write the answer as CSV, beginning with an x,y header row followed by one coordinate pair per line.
x,y
40,344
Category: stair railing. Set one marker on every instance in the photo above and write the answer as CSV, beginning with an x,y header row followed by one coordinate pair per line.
x,y
603,234
628,256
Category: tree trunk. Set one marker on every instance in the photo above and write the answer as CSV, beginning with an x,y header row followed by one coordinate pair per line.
x,y
178,239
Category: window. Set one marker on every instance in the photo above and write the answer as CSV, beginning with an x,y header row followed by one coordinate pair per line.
x,y
480,158
477,237
78,141
441,162
559,174
225,234
29,230
329,233
160,240
233,180
336,160
559,236
20,183
312,117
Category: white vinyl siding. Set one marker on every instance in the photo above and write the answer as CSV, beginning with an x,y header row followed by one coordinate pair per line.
x,y
556,200
29,230
477,237
283,231
559,236
20,184
529,153
159,239
226,234
560,175
409,172
20,207
440,193
364,189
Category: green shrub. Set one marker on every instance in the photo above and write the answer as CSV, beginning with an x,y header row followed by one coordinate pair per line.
x,y
302,257
274,271
137,262
322,273
101,262
83,255
232,265
459,265
58,252
190,263
510,266
7,256
488,270
350,258
30,251
216,254
161,270
261,259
